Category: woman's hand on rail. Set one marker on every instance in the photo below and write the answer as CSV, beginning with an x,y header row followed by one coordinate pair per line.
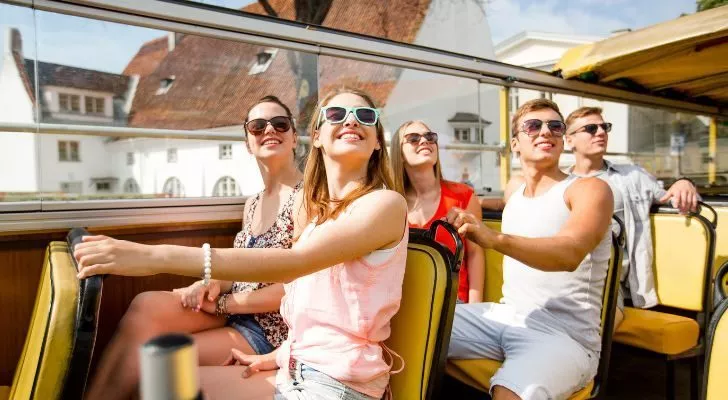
x,y
104,255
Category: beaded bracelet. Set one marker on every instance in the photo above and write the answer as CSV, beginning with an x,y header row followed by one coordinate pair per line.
x,y
207,272
221,306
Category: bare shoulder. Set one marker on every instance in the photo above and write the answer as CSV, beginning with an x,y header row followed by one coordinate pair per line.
x,y
385,199
590,190
514,183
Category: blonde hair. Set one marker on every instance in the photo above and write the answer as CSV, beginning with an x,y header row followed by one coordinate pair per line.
x,y
316,198
583,112
401,181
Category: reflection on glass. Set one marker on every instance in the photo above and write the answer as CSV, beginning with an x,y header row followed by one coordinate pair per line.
x,y
447,25
18,166
448,105
103,75
667,144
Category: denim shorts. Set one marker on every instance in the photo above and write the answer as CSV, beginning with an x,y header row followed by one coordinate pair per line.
x,y
307,383
251,330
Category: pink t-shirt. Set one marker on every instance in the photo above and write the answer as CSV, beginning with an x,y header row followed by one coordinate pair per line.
x,y
338,317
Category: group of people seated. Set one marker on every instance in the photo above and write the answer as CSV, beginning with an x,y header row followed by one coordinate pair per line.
x,y
301,306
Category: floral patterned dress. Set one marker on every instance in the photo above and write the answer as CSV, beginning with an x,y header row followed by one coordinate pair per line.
x,y
280,235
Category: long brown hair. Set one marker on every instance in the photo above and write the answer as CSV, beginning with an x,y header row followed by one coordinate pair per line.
x,y
402,182
316,198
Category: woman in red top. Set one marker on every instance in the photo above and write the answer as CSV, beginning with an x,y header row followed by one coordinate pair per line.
x,y
417,175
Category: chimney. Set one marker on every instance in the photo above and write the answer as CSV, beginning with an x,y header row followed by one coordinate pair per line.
x,y
13,42
173,39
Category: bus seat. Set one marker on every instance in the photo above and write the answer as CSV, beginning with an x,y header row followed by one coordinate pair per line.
x,y
657,331
715,386
57,353
421,328
493,268
682,281
478,372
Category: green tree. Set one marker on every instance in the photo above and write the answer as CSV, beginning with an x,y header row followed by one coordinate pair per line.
x,y
703,5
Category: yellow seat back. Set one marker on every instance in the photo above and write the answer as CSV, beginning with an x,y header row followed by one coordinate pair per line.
x,y
493,286
421,328
59,345
715,386
43,364
683,255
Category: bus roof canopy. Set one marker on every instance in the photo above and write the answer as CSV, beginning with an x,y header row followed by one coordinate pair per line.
x,y
685,58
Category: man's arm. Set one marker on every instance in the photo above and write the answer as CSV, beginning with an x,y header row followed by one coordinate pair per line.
x,y
591,204
684,196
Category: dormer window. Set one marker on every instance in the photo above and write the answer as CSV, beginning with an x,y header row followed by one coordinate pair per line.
x,y
262,61
165,84
264,57
70,103
95,105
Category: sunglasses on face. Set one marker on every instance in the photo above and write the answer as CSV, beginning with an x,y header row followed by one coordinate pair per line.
x,y
257,126
414,138
592,129
337,114
532,127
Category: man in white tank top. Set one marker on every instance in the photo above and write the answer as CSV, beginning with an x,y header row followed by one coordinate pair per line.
x,y
556,241
635,191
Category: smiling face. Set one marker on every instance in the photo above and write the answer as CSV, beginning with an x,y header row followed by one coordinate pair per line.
x,y
270,143
542,148
584,143
421,153
348,139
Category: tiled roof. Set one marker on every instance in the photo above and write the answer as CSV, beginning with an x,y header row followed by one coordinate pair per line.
x,y
212,86
148,58
50,74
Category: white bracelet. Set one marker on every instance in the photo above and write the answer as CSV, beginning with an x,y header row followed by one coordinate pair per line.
x,y
207,258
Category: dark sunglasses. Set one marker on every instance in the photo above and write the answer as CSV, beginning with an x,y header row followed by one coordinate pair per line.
x,y
532,127
257,126
338,114
592,129
414,138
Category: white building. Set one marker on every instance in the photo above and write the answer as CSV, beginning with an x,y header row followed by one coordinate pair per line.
x,y
186,82
64,95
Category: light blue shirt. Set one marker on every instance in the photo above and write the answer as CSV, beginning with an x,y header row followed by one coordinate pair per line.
x,y
635,191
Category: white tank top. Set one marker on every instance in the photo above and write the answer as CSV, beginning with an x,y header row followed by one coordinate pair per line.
x,y
557,302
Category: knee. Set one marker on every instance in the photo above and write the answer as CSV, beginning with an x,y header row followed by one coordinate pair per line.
x,y
503,393
142,312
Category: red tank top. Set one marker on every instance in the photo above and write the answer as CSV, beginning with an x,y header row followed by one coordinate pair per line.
x,y
452,195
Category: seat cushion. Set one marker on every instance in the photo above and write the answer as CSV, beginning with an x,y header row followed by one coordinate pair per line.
x,y
657,331
477,374
4,392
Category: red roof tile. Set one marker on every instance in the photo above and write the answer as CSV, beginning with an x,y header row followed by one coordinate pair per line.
x,y
148,58
212,86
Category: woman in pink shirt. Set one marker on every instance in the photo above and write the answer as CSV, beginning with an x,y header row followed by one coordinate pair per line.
x,y
343,283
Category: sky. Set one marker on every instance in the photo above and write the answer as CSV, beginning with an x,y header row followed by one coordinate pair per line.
x,y
108,47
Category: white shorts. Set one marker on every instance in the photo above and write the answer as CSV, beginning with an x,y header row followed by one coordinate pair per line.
x,y
538,363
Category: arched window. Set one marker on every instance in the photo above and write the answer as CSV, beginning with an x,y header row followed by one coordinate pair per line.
x,y
173,187
226,187
131,186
